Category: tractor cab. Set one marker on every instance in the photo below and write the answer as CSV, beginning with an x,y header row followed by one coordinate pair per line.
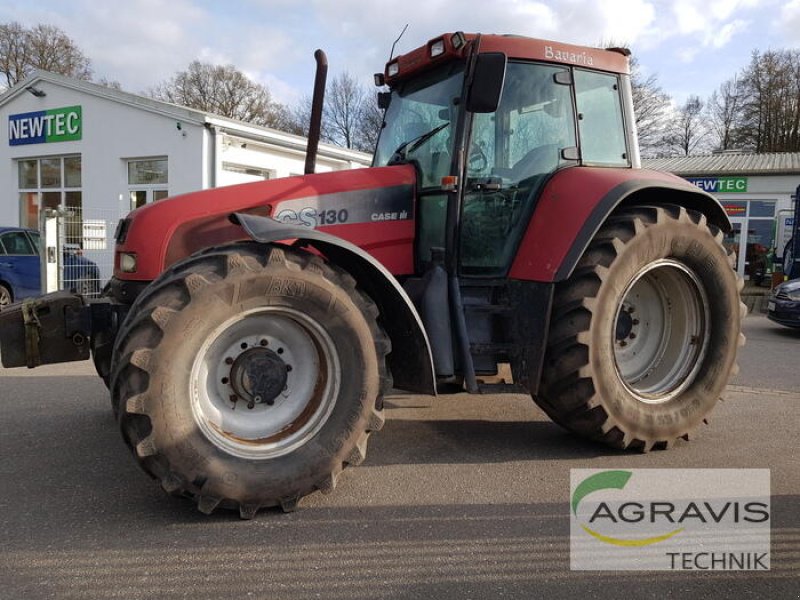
x,y
487,120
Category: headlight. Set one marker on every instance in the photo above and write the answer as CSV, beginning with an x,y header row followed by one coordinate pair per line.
x,y
437,48
127,262
794,295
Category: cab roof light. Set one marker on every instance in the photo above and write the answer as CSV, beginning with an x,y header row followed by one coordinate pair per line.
x,y
437,48
393,69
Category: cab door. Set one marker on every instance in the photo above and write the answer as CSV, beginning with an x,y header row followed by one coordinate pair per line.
x,y
512,152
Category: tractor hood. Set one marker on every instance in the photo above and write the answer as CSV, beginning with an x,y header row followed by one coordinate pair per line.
x,y
372,208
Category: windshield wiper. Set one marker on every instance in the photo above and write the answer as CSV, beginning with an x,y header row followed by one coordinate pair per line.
x,y
414,143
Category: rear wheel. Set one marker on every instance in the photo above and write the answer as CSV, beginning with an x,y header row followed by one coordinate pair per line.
x,y
645,332
250,377
5,296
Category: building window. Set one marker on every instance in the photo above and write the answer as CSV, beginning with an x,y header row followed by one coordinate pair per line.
x,y
254,172
148,181
50,182
148,172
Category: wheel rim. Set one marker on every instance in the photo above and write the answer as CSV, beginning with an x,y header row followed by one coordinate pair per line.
x,y
661,331
5,296
264,382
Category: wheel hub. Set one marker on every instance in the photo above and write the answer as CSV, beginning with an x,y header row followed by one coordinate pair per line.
x,y
258,375
661,331
624,325
252,361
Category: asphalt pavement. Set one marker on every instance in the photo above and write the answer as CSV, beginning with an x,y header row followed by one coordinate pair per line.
x,y
460,497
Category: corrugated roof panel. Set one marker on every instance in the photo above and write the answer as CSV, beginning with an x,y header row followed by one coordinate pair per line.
x,y
734,163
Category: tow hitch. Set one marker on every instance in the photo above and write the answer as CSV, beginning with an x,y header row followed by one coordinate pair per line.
x,y
53,328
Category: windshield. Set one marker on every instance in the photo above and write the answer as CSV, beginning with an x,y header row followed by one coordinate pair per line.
x,y
420,121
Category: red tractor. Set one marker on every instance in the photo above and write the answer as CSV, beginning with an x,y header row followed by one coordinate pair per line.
x,y
250,332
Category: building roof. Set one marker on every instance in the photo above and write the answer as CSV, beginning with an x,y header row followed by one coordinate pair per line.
x,y
729,163
187,115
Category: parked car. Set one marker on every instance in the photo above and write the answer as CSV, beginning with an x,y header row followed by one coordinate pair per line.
x,y
20,271
784,303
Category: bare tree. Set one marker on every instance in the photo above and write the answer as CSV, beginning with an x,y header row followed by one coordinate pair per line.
x,y
44,47
724,110
650,105
109,83
687,128
351,117
770,118
371,124
223,90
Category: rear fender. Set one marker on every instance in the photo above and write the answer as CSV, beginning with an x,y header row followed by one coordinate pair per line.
x,y
410,359
577,201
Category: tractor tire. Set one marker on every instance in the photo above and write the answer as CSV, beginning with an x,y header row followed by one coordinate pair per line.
x,y
249,377
101,345
105,355
644,334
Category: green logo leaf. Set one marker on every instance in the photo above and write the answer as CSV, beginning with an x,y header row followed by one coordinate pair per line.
x,y
616,480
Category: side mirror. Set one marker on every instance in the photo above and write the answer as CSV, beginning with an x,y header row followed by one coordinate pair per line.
x,y
487,82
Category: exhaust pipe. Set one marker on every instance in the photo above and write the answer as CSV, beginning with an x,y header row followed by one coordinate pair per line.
x,y
315,126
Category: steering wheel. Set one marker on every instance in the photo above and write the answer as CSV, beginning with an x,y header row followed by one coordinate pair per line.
x,y
478,161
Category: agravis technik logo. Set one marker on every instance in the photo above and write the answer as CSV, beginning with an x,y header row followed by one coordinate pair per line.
x,y
611,480
705,519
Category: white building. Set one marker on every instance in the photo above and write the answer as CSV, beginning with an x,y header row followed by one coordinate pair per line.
x,y
756,190
77,144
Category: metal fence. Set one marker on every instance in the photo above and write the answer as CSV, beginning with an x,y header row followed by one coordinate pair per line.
x,y
80,249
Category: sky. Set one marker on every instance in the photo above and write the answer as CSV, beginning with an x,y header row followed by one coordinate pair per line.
x,y
692,46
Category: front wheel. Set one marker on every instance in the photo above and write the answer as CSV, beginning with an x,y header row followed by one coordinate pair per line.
x,y
250,377
645,332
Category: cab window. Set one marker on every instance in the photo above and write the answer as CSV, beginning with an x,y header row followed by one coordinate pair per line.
x,y
600,124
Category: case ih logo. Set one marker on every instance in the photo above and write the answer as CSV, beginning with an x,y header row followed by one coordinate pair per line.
x,y
44,126
670,519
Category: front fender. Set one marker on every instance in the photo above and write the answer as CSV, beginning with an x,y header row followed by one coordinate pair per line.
x,y
410,360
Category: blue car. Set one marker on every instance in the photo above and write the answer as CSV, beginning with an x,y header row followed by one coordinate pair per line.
x,y
20,267
784,304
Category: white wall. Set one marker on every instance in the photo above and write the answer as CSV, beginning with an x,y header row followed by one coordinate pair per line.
x,y
279,161
112,132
